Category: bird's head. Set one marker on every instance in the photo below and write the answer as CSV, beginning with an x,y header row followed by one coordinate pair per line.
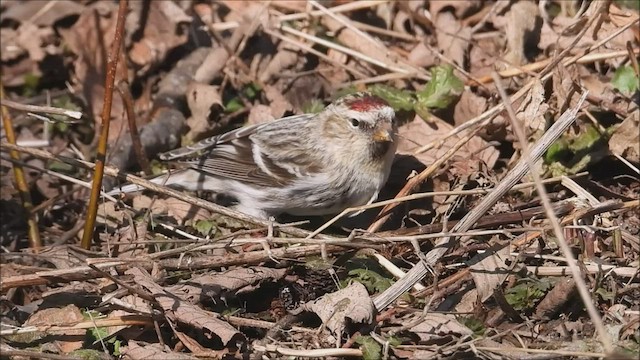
x,y
363,118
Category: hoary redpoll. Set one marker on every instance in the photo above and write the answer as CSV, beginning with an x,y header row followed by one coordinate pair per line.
x,y
310,164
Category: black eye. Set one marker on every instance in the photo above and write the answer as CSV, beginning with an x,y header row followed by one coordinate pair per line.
x,y
354,122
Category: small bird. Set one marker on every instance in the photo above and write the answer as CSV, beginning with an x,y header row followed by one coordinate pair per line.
x,y
309,164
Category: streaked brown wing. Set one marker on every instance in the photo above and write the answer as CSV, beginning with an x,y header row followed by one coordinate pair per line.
x,y
188,152
251,155
235,161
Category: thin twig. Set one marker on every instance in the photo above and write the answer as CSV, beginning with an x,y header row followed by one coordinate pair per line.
x,y
587,59
413,184
42,109
112,64
353,6
485,117
110,171
557,229
348,51
317,53
138,149
21,181
420,270
60,176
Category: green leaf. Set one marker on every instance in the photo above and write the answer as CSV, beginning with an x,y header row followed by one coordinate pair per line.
x,y
442,90
422,111
586,140
605,294
31,82
61,167
371,350
625,80
345,91
527,293
557,151
374,282
204,227
313,106
394,341
398,99
251,91
89,354
476,325
156,167
64,102
233,105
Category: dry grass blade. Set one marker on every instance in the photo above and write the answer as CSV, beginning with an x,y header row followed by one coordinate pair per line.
x,y
414,182
419,271
530,160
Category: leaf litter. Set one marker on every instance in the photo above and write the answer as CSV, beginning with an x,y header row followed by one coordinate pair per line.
x,y
168,279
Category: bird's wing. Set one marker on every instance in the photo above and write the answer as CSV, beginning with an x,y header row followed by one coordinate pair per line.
x,y
190,151
251,155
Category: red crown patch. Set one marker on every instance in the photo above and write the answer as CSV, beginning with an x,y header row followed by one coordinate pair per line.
x,y
366,103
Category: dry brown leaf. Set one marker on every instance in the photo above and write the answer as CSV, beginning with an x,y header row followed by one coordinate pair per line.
x,y
178,310
220,285
489,269
564,290
468,301
565,80
91,44
10,46
66,316
522,29
206,107
259,113
176,208
556,34
625,141
109,214
468,107
460,7
294,6
137,350
421,56
370,47
163,31
41,13
454,39
183,211
533,108
286,57
435,325
418,132
602,89
483,56
63,257
128,238
352,302
508,350
82,294
32,38
278,103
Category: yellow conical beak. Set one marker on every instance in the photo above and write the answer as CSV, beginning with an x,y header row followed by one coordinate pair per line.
x,y
382,135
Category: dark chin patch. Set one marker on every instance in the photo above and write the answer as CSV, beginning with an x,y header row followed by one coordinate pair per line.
x,y
379,149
